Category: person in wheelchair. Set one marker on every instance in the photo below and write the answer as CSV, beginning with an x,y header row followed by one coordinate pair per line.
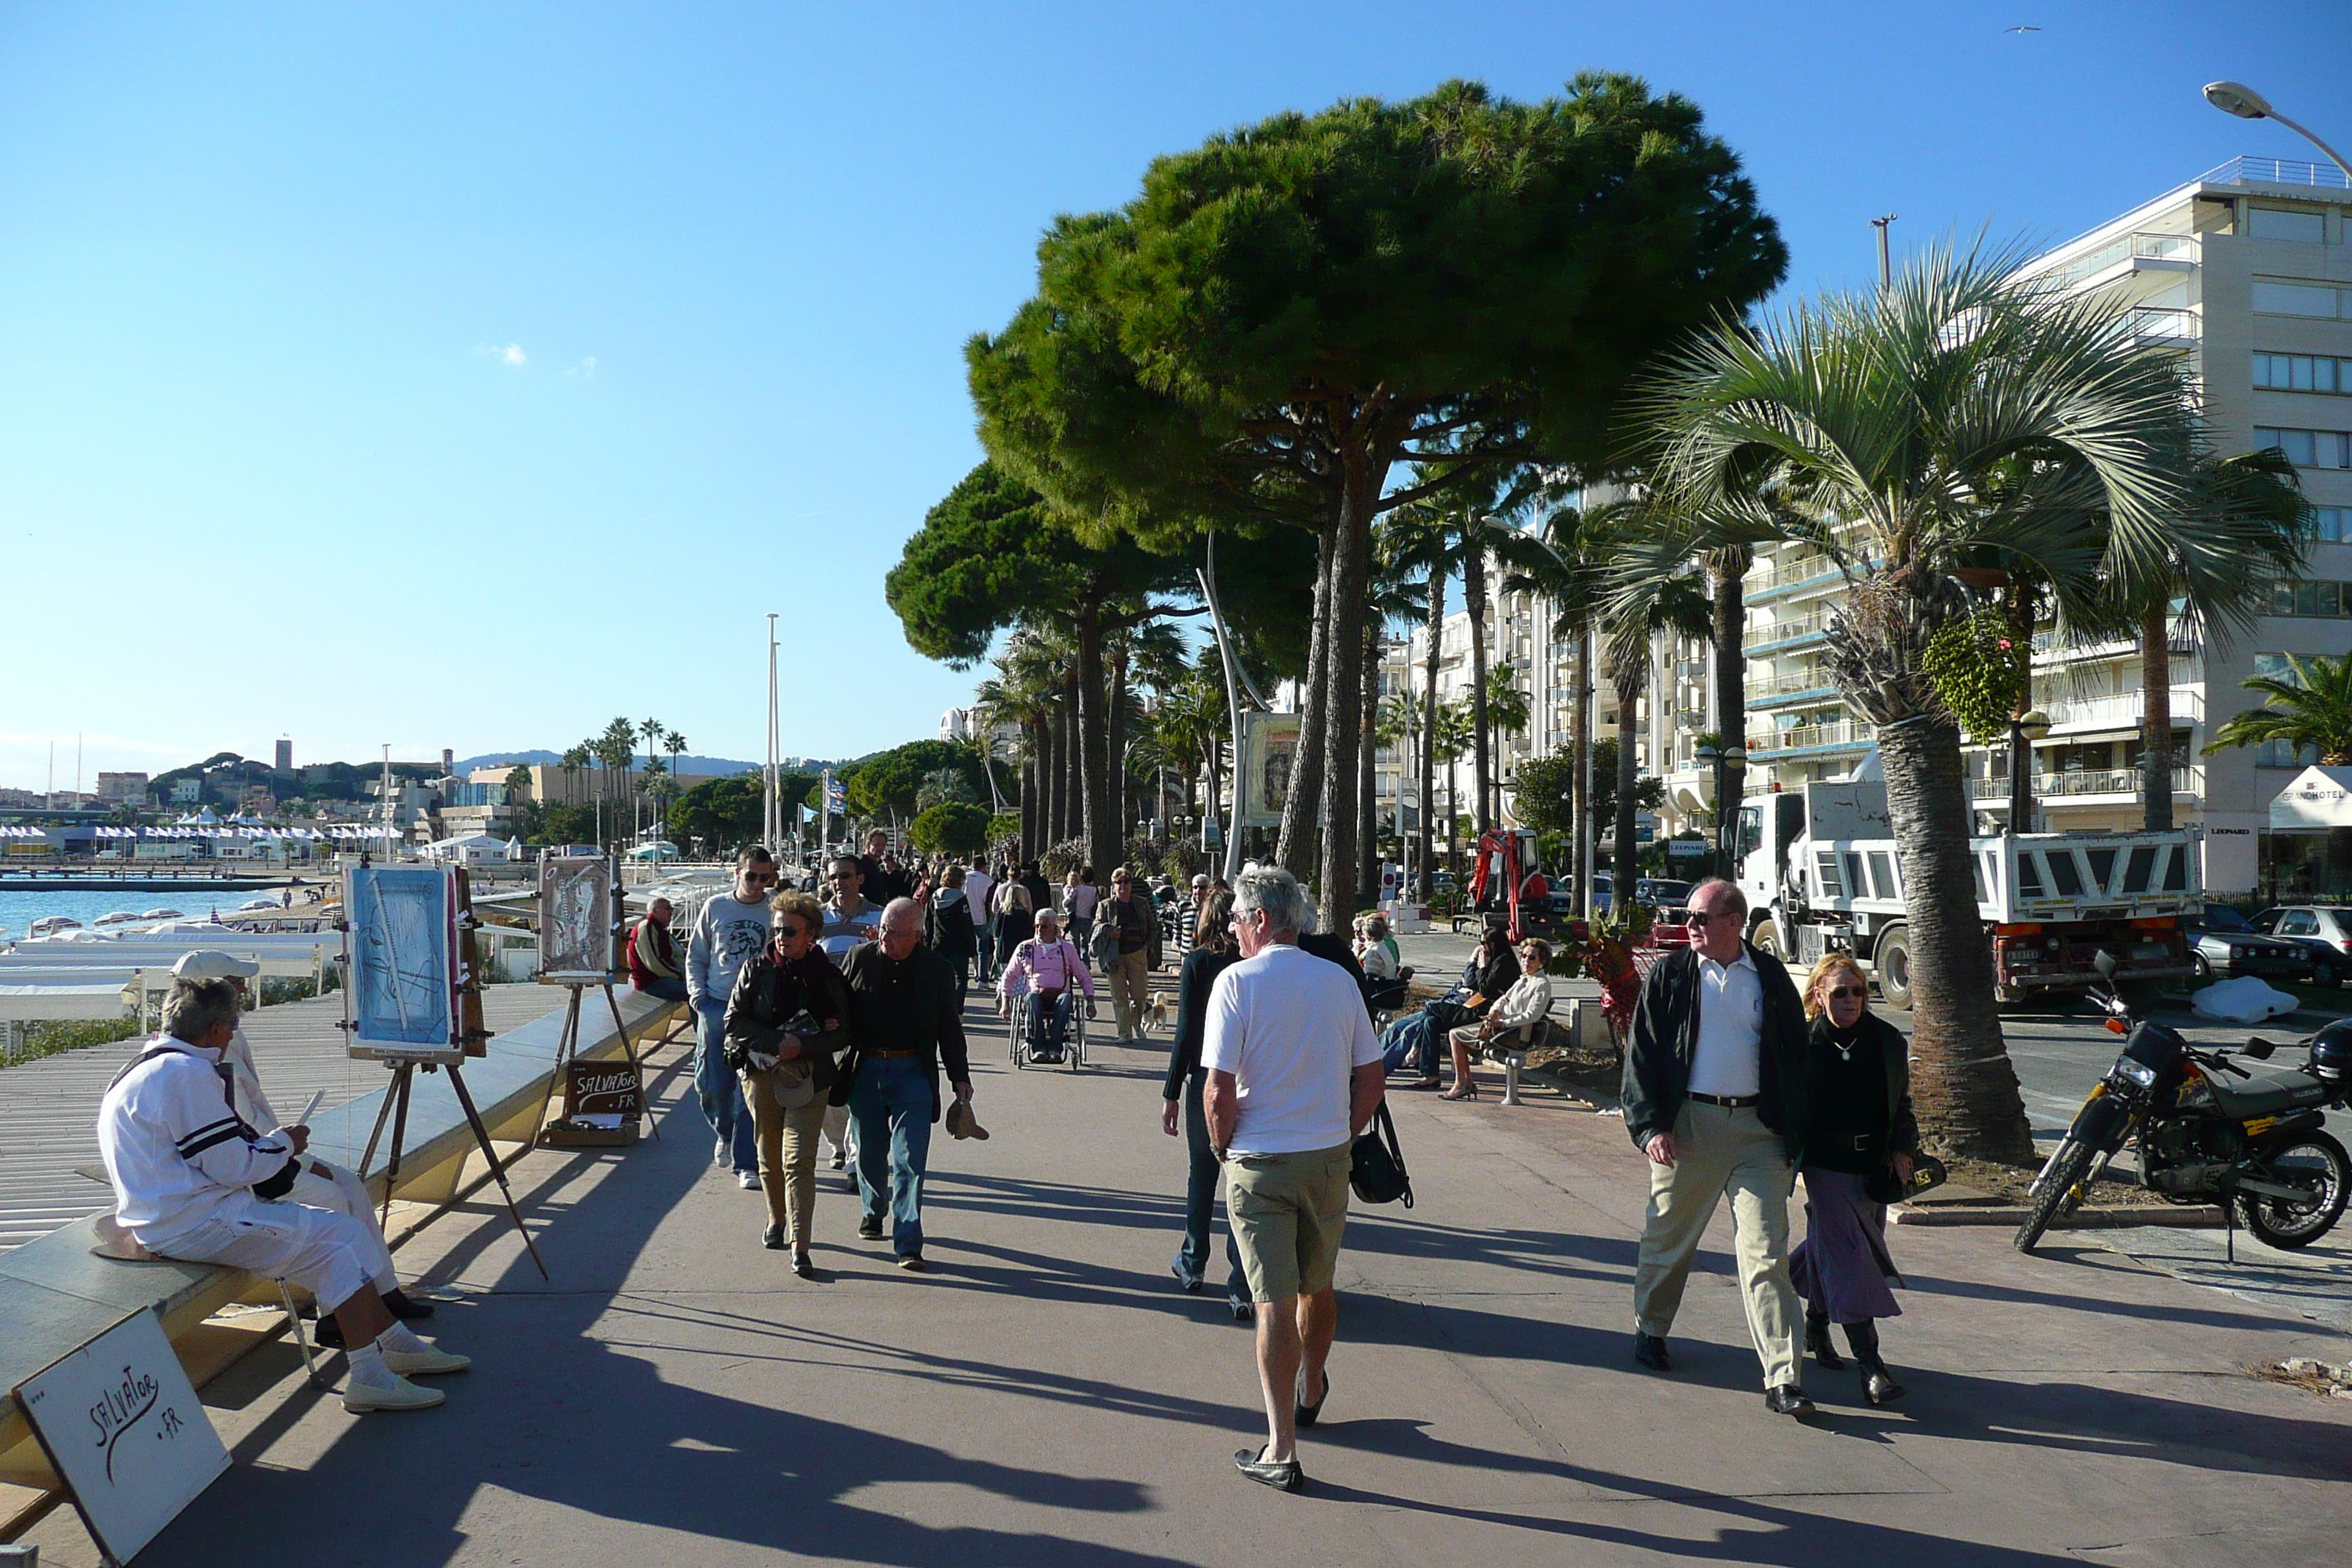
x,y
1042,970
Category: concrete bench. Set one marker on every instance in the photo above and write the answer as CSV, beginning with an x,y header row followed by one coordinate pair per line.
x,y
56,1295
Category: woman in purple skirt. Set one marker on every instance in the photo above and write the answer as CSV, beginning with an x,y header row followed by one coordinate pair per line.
x,y
1858,1124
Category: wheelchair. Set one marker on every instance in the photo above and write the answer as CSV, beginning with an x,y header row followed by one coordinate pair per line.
x,y
1069,1050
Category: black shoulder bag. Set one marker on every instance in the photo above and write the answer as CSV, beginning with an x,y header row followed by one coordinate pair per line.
x,y
1378,1174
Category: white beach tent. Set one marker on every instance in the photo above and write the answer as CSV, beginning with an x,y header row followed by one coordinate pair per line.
x,y
469,850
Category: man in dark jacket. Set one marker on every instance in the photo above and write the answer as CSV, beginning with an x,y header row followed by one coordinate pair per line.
x,y
1713,1092
904,1024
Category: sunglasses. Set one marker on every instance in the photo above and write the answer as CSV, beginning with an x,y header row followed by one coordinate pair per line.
x,y
758,875
1841,993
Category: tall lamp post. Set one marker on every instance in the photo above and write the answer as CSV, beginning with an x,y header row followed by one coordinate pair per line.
x,y
2023,731
2236,98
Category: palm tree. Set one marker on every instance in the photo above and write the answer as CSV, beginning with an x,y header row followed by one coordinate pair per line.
x,y
2260,489
1568,571
1678,605
2310,706
1880,424
1456,722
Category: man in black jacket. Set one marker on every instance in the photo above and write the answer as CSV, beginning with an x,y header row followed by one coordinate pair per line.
x,y
1713,1090
904,1022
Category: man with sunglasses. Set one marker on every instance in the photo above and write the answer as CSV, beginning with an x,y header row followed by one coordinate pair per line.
x,y
729,931
1713,1093
1128,943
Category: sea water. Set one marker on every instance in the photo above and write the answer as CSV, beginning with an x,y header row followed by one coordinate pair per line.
x,y
19,910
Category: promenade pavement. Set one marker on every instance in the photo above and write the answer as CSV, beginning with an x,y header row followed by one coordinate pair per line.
x,y
1045,1396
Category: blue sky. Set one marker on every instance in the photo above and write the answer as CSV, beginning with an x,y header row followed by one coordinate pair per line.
x,y
464,375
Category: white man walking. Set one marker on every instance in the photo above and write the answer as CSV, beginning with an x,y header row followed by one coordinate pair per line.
x,y
1713,1093
1293,1073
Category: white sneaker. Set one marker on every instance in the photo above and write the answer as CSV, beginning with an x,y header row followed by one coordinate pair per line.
x,y
430,1362
747,1180
398,1395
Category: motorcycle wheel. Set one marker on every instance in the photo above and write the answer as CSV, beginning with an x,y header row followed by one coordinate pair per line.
x,y
2053,1193
2311,1157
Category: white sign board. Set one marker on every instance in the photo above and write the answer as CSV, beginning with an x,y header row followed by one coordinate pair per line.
x,y
121,1424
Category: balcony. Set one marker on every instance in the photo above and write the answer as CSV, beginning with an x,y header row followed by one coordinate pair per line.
x,y
1788,632
1787,575
1781,689
2123,710
2140,252
1811,739
2089,786
2161,325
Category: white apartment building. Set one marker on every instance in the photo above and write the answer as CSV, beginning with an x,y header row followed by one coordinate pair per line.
x,y
2246,271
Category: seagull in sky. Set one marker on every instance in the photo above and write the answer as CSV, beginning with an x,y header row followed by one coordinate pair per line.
x,y
2020,29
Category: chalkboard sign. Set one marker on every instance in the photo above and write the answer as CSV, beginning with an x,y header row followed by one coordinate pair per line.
x,y
603,1088
123,1426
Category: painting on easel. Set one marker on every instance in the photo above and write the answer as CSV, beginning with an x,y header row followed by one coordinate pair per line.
x,y
577,908
404,978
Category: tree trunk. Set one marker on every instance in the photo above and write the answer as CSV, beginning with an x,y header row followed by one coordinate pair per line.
x,y
1630,681
1351,584
1095,727
1437,632
1300,843
1474,599
1073,767
1057,822
1117,747
1962,1084
2156,729
1368,805
1731,693
1032,806
1579,750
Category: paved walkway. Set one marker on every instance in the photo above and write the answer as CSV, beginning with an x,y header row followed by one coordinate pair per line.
x,y
1046,1397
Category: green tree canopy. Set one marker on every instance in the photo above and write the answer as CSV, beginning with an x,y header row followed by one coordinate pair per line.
x,y
1282,315
950,827
721,812
889,781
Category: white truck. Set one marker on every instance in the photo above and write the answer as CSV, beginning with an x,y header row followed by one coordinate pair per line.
x,y
1821,874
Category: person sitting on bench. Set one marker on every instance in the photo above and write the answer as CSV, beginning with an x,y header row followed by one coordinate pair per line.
x,y
1526,1002
321,1184
194,1180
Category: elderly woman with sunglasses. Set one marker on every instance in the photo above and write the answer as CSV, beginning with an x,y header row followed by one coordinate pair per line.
x,y
1858,1125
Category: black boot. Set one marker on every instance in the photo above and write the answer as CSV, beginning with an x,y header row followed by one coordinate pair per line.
x,y
1877,1386
1817,1343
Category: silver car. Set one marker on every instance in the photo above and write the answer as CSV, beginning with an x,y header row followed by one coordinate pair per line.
x,y
2324,930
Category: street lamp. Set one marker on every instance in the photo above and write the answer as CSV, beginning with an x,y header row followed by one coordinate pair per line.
x,y
2023,731
2236,98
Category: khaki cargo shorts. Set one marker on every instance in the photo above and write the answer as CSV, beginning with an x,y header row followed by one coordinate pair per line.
x,y
1287,1212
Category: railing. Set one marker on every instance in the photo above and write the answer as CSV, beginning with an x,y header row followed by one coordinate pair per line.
x,y
1779,687
1788,572
2188,707
2089,781
2274,171
2155,324
1789,629
2137,246
1805,737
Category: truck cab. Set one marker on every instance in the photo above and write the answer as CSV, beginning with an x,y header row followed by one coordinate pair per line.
x,y
1822,873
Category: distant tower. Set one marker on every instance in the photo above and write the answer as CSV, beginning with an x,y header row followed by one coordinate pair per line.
x,y
285,753
448,762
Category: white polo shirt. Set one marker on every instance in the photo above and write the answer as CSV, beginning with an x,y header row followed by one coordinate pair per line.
x,y
1292,1029
1731,1029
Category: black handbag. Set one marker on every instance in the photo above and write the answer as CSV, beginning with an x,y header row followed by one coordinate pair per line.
x,y
1928,1173
1378,1172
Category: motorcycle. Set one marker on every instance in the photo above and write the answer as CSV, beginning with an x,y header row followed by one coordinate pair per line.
x,y
2208,1129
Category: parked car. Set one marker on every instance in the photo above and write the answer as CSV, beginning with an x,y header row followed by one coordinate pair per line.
x,y
2324,930
1655,892
2224,944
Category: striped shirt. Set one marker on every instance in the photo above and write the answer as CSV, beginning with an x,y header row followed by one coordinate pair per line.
x,y
177,1153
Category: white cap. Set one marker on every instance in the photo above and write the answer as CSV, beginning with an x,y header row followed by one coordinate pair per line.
x,y
208,966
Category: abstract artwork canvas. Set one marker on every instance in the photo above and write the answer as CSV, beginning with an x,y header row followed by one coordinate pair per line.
x,y
403,942
575,918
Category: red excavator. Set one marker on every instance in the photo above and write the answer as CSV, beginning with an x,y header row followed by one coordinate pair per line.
x,y
1506,880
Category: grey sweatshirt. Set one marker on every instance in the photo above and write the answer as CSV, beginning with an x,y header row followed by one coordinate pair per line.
x,y
727,933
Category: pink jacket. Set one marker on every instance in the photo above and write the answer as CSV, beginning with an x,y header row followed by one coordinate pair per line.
x,y
1046,966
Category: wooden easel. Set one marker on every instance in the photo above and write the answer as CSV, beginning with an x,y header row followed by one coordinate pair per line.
x,y
567,1049
396,1107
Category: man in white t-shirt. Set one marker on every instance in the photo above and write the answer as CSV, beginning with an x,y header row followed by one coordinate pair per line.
x,y
1293,1073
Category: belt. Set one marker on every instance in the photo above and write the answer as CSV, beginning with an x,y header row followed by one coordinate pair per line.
x,y
887,1055
1728,1102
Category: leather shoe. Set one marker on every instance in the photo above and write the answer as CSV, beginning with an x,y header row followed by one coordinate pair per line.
x,y
406,1307
1650,1351
1879,1388
1788,1400
869,1227
1284,1476
1307,1415
773,1238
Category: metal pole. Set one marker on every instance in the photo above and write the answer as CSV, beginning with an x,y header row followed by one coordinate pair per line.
x,y
1885,269
2020,784
771,818
1233,705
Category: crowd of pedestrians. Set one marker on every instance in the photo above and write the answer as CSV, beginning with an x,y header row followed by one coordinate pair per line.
x,y
842,1022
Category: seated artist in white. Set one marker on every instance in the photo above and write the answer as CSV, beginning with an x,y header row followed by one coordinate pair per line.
x,y
194,1180
321,1184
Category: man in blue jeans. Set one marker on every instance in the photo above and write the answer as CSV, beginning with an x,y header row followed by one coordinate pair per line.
x,y
905,1023
730,930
